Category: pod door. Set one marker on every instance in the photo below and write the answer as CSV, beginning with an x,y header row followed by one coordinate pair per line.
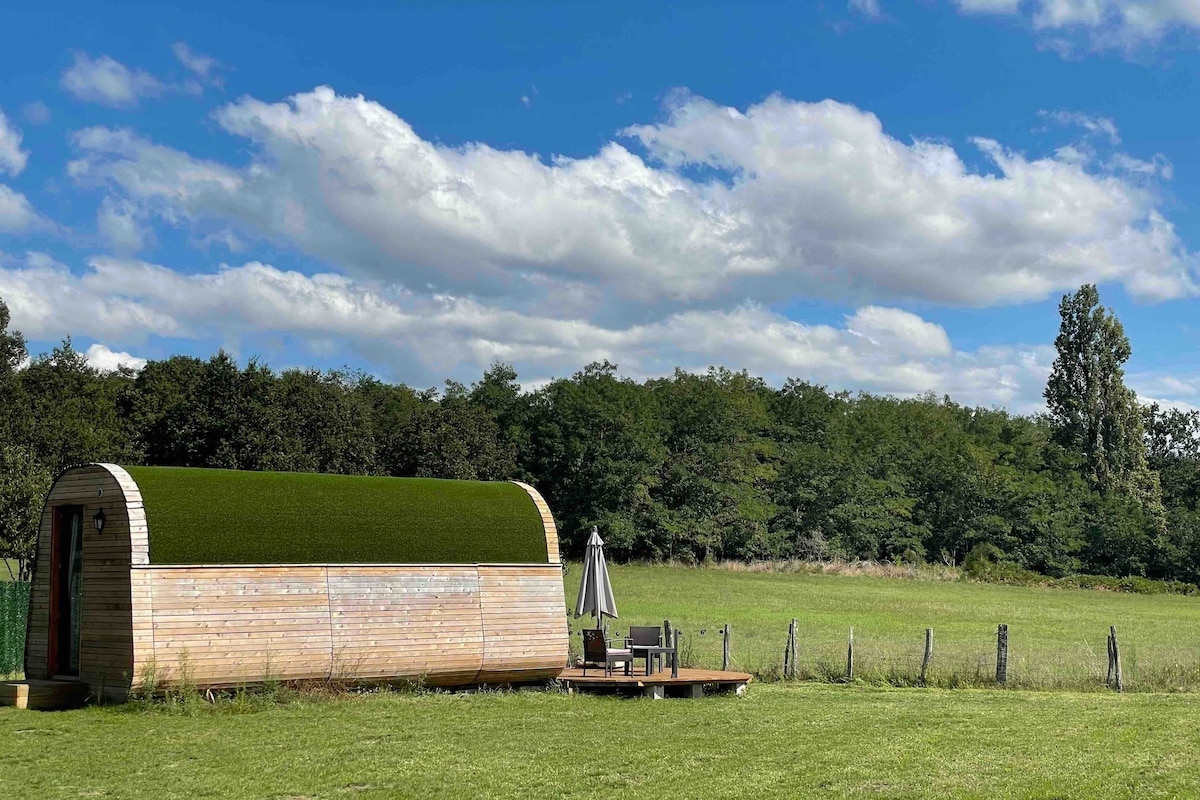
x,y
66,590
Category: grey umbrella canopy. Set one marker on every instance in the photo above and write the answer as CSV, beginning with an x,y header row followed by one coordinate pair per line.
x,y
595,592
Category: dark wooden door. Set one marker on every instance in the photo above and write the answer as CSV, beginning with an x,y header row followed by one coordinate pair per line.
x,y
66,590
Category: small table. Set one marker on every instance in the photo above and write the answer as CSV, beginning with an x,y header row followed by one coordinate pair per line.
x,y
650,653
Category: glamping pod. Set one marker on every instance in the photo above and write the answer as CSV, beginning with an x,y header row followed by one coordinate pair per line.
x,y
219,577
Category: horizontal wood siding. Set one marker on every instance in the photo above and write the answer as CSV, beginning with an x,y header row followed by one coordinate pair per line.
x,y
413,622
228,625
524,623
225,625
106,658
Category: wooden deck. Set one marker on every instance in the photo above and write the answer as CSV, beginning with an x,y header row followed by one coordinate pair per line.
x,y
689,683
42,694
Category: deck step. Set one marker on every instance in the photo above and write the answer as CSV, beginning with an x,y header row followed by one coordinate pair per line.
x,y
43,695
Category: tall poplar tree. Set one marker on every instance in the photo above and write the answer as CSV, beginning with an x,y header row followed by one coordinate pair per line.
x,y
1092,412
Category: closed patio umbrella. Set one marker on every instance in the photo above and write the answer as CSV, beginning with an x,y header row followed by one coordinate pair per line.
x,y
595,592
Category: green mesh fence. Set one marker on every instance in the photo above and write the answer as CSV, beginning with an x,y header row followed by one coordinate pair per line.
x,y
14,605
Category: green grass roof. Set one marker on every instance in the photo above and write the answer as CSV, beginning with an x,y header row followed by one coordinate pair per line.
x,y
217,516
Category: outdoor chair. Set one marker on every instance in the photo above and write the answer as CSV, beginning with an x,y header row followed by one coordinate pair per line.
x,y
596,650
645,636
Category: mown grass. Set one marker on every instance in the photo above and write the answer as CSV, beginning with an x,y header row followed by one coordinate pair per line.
x,y
1056,636
780,741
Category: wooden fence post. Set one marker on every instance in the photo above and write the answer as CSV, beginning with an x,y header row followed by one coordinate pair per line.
x,y
725,650
850,656
795,632
928,655
789,648
1108,679
675,658
1119,683
1002,655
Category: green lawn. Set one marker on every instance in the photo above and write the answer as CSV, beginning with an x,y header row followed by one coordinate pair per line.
x,y
1057,636
780,741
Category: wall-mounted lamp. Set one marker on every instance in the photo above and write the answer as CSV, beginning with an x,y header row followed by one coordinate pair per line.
x,y
98,520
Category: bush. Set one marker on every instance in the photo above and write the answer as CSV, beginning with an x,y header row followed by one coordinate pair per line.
x,y
14,606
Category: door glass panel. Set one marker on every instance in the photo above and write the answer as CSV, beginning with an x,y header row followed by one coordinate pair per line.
x,y
74,590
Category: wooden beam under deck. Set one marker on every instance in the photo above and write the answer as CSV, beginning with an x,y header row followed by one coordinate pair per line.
x,y
689,683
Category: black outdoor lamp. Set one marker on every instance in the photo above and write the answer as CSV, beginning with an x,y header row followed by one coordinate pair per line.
x,y
98,520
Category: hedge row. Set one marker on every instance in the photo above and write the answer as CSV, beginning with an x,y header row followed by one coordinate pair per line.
x,y
14,604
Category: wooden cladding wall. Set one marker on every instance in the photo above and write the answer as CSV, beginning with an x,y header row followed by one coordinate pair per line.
x,y
524,623
445,624
106,648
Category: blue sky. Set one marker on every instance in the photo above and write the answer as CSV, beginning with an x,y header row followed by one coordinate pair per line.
x,y
888,196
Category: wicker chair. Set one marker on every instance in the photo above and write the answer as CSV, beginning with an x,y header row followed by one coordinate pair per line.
x,y
596,651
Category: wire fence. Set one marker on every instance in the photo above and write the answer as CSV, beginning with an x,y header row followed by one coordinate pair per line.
x,y
1081,661
14,605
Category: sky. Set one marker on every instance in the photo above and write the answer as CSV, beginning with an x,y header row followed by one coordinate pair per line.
x,y
873,195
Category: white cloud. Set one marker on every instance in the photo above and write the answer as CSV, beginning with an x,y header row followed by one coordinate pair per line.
x,y
12,158
1104,24
16,214
869,8
203,67
1102,126
107,81
100,357
880,349
119,227
989,6
36,113
796,198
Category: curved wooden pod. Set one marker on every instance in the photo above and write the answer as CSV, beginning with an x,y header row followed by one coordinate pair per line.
x,y
223,625
108,631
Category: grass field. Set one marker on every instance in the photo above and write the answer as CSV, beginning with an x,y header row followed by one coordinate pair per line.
x,y
1057,636
782,740
779,741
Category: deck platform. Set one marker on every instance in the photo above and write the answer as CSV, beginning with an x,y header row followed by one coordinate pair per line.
x,y
689,683
43,695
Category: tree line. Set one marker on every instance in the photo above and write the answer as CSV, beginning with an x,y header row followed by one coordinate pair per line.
x,y
691,467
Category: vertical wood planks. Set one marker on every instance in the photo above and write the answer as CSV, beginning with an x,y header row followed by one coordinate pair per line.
x,y
106,647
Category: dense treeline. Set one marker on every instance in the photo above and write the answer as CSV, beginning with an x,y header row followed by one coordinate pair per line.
x,y
691,467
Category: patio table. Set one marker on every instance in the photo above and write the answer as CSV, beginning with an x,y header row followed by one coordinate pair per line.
x,y
651,653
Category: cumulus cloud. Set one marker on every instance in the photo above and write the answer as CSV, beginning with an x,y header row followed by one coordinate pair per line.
x,y
16,214
106,81
1103,24
118,225
876,348
105,360
12,157
783,198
